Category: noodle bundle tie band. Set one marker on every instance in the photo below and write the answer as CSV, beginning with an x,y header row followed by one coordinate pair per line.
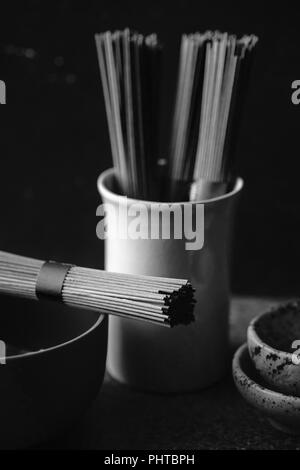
x,y
50,281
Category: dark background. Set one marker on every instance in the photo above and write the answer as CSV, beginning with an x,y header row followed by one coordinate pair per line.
x,y
54,139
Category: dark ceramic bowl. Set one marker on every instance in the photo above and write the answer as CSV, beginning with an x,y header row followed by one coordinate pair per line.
x,y
55,362
283,411
273,341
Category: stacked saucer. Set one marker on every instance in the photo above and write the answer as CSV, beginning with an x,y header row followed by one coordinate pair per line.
x,y
266,370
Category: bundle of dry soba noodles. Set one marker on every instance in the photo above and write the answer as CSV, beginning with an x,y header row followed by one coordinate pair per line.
x,y
213,75
159,300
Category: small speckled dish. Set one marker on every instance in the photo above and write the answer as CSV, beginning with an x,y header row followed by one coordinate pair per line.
x,y
272,343
283,411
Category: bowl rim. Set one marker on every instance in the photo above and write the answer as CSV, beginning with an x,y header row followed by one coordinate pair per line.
x,y
65,344
251,330
237,368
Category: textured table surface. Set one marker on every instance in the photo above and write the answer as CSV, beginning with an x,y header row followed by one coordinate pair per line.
x,y
215,418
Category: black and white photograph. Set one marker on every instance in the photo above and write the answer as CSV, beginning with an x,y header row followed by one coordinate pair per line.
x,y
150,228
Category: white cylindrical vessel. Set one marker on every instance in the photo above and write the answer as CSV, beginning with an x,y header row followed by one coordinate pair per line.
x,y
185,358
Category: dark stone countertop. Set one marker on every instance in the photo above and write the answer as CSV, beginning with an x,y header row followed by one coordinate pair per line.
x,y
215,418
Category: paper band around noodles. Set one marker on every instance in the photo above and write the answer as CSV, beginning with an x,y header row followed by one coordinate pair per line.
x,y
51,279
